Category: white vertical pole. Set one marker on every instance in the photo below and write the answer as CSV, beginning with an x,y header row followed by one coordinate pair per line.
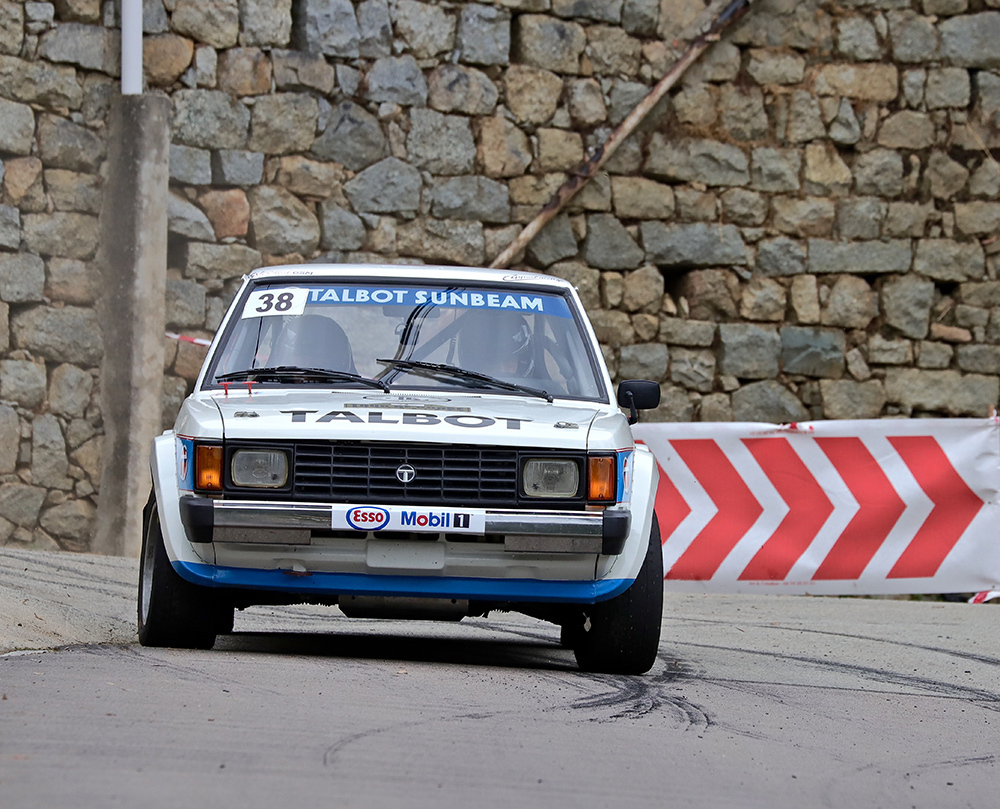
x,y
131,47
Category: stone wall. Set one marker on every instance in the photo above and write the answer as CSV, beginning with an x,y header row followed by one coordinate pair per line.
x,y
805,229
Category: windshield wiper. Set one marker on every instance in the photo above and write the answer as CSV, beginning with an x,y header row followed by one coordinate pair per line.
x,y
285,372
454,372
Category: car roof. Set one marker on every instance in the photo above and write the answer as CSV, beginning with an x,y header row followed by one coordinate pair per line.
x,y
405,273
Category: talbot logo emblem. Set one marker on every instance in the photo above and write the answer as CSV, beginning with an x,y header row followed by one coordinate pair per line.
x,y
406,473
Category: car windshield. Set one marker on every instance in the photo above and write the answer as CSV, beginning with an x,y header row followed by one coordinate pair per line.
x,y
525,341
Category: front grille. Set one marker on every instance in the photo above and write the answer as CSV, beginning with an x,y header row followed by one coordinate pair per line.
x,y
447,475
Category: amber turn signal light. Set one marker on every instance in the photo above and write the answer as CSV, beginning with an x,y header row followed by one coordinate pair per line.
x,y
602,478
208,468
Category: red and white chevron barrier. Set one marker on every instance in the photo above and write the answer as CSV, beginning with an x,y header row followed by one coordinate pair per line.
x,y
831,507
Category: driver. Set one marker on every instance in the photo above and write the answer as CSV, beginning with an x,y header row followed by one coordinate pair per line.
x,y
497,344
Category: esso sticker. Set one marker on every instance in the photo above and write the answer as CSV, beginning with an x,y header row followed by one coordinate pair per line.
x,y
285,301
368,518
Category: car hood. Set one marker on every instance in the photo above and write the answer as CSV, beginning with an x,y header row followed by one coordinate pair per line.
x,y
375,416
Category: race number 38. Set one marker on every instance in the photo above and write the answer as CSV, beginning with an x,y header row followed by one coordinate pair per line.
x,y
265,302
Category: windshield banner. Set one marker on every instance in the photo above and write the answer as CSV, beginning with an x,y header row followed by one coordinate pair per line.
x,y
889,506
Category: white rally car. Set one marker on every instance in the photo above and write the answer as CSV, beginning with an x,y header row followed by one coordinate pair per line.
x,y
413,442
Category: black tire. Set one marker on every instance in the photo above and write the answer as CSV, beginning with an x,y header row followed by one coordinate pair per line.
x,y
172,611
622,635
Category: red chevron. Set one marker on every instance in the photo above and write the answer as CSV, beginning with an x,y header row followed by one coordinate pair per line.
x,y
808,509
879,508
955,506
737,511
671,508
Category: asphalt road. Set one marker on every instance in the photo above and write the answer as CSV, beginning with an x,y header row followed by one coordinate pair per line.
x,y
755,701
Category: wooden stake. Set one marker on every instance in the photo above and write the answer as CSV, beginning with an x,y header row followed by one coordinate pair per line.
x,y
589,168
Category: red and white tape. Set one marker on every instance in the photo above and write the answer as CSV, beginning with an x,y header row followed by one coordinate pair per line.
x,y
862,507
198,341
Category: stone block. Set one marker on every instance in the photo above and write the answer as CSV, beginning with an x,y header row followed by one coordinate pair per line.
x,y
374,29
91,47
37,82
236,167
945,176
471,198
977,218
979,359
282,224
553,243
442,240
641,198
907,130
352,137
73,191
693,333
22,382
63,144
879,173
67,234
860,217
970,40
643,289
228,210
612,328
704,161
748,351
742,111
425,27
214,22
548,43
859,257
219,261
812,216
585,102
812,352
484,35
775,169
17,128
283,123
882,351
693,369
613,52
743,207
934,355
21,504
780,257
209,119
947,260
643,361
10,228
342,230
763,299
244,72
72,520
398,80
440,144
907,219
48,452
914,39
608,245
710,294
294,70
857,39
10,434
165,57
532,93
942,391
70,334
845,127
265,22
867,82
191,166
851,304
803,296
980,293
558,150
72,281
188,220
767,401
847,399
775,67
457,88
389,186
327,26
184,303
948,87
693,245
502,149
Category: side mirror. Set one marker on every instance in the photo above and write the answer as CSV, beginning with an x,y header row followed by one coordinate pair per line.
x,y
638,394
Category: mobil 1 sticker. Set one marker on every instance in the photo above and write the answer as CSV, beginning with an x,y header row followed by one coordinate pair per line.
x,y
401,518
282,301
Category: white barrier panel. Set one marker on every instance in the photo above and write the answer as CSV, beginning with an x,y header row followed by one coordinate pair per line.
x,y
830,507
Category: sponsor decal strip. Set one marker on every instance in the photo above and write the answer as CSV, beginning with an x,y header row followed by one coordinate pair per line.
x,y
863,507
400,518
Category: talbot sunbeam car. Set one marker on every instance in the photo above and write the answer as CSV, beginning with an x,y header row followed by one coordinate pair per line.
x,y
407,442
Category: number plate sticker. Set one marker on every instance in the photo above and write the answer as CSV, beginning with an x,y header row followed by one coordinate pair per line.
x,y
266,302
400,518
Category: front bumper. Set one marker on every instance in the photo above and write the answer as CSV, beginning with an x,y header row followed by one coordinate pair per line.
x,y
213,521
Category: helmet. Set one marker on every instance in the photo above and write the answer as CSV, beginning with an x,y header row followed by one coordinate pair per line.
x,y
496,343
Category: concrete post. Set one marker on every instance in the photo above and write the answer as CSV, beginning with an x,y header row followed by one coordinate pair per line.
x,y
133,260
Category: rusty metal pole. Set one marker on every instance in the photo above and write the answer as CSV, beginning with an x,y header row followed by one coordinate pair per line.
x,y
589,168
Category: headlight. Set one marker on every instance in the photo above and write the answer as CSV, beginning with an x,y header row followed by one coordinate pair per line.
x,y
550,477
260,469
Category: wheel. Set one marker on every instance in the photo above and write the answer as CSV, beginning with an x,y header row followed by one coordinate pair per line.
x,y
622,635
172,611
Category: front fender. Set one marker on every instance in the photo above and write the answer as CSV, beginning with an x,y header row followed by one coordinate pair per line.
x,y
165,461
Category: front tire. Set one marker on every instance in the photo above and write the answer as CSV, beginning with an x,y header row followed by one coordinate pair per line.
x,y
172,611
622,635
